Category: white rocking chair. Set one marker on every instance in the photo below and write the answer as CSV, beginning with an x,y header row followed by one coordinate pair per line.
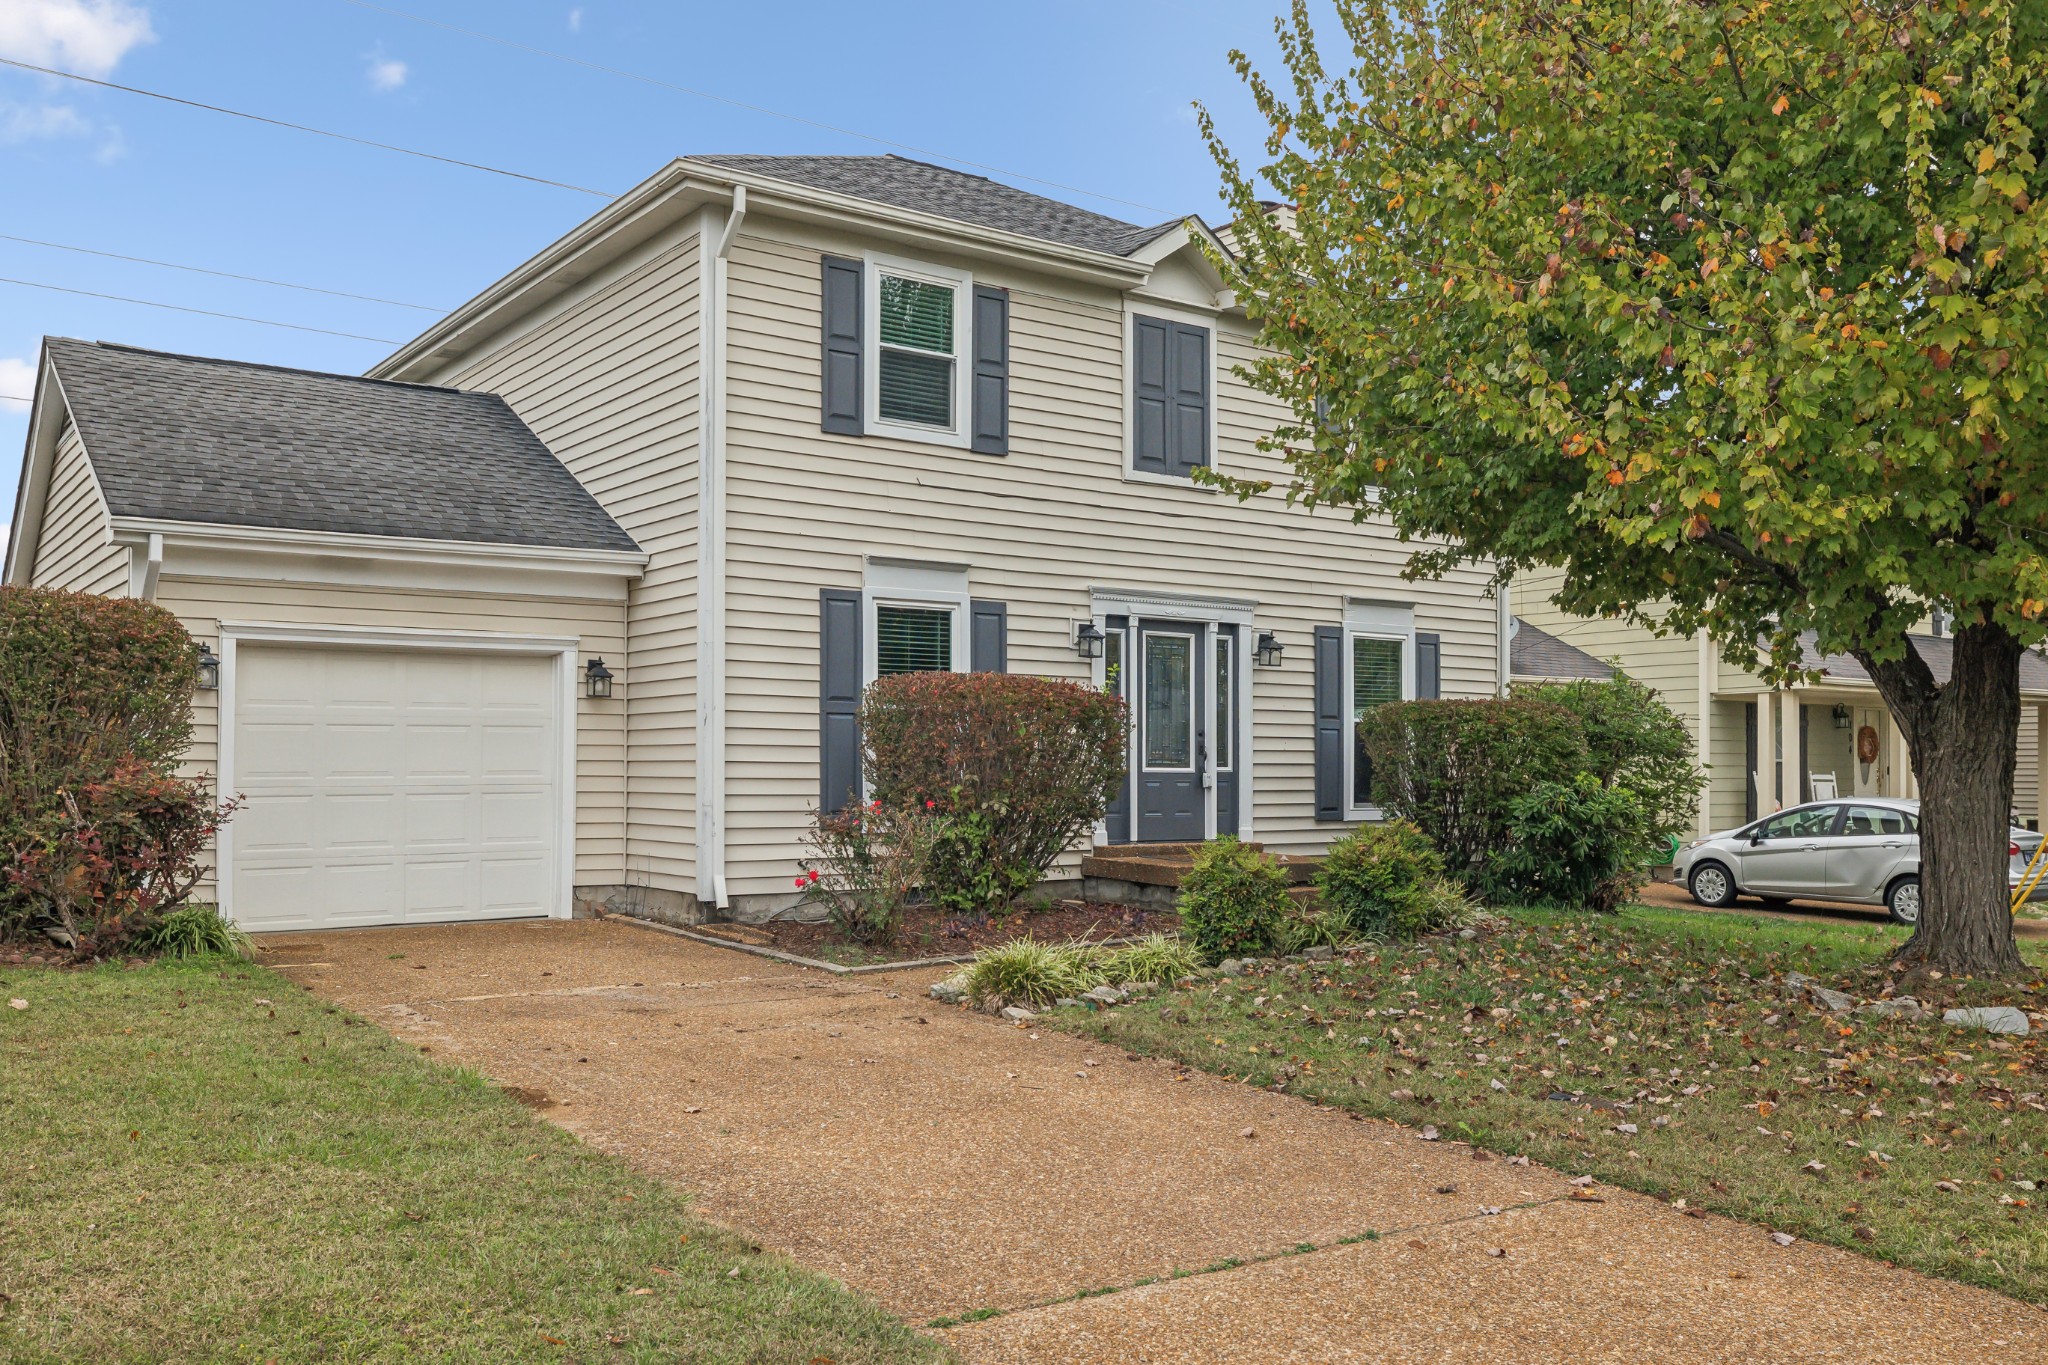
x,y
1824,788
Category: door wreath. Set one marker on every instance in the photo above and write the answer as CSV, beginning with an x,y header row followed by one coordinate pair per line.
x,y
1866,744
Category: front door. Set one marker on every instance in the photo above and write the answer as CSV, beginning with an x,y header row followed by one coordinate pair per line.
x,y
1172,733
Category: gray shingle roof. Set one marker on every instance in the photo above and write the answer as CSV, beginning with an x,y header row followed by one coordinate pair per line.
x,y
1939,652
1534,653
225,442
947,193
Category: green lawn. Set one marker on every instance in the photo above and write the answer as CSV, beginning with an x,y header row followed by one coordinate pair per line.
x,y
205,1163
1551,1037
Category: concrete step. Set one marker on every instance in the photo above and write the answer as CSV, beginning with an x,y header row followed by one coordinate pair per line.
x,y
1166,864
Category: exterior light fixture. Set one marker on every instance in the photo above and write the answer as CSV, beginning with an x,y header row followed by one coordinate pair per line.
x,y
1088,638
209,670
1268,650
597,679
1841,715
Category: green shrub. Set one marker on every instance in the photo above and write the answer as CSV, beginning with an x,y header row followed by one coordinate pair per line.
x,y
192,931
865,864
1439,904
86,683
1574,843
1298,932
1453,768
1232,901
1155,959
1027,972
112,857
1019,767
1634,740
1372,878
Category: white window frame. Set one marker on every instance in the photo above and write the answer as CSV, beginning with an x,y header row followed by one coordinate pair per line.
x,y
1372,621
1133,309
962,285
922,587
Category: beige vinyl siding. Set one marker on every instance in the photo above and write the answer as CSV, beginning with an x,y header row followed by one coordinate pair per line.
x,y
1670,664
2026,776
609,382
203,603
1729,770
74,549
1038,527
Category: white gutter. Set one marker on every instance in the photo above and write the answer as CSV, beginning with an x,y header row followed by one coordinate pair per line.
x,y
711,883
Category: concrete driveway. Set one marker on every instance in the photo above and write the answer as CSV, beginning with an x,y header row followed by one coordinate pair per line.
x,y
948,1165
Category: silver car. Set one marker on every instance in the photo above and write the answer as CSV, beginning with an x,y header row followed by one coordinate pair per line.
x,y
1865,850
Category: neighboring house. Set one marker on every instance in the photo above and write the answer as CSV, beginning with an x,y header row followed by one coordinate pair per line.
x,y
836,417
1536,656
1766,748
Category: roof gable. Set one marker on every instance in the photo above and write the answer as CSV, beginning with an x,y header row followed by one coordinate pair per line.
x,y
179,438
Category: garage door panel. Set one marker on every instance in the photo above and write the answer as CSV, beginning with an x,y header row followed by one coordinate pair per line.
x,y
390,785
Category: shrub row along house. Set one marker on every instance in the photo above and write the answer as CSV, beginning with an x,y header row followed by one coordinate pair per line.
x,y
572,599
1766,748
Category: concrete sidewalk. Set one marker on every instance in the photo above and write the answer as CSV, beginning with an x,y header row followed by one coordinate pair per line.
x,y
949,1165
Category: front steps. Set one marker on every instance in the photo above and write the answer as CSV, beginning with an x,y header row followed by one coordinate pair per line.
x,y
1149,875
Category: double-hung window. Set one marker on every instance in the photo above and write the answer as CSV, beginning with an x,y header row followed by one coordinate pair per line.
x,y
913,639
917,350
1379,667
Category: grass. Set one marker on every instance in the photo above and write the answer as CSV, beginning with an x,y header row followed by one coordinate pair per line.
x,y
205,1163
1557,1035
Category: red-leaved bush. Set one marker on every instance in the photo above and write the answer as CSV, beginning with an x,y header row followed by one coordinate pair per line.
x,y
1018,767
90,687
111,858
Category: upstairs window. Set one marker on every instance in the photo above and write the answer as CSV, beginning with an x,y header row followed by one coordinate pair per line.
x,y
918,362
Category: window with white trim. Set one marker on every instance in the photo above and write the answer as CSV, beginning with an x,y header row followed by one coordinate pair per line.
x,y
1379,667
917,362
913,639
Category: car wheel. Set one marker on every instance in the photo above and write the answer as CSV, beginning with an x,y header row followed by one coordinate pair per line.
x,y
1903,900
1712,886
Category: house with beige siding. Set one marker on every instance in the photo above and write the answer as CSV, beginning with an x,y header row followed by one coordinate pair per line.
x,y
1765,748
760,431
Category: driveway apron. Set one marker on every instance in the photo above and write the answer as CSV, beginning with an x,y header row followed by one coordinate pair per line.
x,y
948,1165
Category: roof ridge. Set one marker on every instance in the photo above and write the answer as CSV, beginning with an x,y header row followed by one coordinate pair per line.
x,y
269,365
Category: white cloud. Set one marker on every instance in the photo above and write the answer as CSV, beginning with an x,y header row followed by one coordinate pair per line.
x,y
17,381
387,73
26,122
88,36
576,20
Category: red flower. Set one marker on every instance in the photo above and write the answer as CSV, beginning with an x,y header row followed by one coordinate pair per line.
x,y
800,883
931,805
815,878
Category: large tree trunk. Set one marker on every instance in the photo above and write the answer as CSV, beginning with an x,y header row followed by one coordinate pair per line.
x,y
1964,740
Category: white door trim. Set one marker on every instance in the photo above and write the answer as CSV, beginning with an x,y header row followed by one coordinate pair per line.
x,y
563,648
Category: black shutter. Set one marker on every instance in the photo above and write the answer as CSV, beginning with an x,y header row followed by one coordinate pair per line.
x,y
1188,440
1150,344
991,407
988,637
1429,666
840,395
1330,712
839,679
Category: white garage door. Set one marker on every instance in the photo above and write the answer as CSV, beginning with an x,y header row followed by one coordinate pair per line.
x,y
393,786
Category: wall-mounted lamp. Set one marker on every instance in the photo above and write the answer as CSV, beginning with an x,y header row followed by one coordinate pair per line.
x,y
1088,638
1268,650
1841,716
597,679
209,670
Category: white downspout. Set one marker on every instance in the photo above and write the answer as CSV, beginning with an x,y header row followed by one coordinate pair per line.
x,y
711,883
150,569
1710,670
1504,629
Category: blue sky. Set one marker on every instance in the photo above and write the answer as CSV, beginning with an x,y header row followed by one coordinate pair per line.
x,y
1093,94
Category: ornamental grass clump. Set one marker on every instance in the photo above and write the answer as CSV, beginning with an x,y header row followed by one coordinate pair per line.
x,y
1153,959
194,931
1027,972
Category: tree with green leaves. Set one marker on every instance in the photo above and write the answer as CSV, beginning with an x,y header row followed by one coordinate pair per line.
x,y
1732,312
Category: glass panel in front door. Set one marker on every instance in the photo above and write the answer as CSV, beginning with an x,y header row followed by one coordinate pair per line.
x,y
1169,702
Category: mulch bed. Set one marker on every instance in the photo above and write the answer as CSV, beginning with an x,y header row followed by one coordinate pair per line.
x,y
929,932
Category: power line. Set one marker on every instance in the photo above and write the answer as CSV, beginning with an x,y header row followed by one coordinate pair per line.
x,y
303,128
220,274
203,312
14,398
742,104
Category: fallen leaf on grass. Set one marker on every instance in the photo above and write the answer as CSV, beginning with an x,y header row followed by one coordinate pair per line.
x,y
639,1291
1948,1187
1581,1180
17,1004
1428,1134
552,1341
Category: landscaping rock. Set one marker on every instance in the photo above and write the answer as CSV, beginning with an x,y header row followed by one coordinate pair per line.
x,y
951,991
1468,934
1018,1014
1065,1002
1232,966
1105,995
1990,1018
1320,953
1794,984
1834,1002
1901,1007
